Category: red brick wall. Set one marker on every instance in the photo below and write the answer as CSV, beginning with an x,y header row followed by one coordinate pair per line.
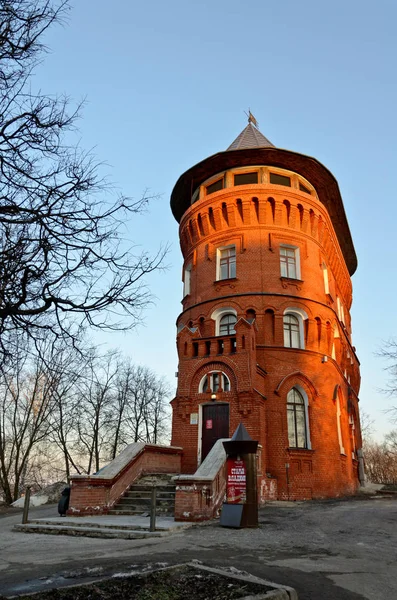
x,y
262,370
92,495
197,500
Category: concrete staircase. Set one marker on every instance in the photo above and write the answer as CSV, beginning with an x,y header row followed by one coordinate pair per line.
x,y
137,500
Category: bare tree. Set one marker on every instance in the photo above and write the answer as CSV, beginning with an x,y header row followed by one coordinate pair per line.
x,y
389,353
381,459
145,417
118,403
124,384
71,367
156,415
63,262
26,403
366,426
95,415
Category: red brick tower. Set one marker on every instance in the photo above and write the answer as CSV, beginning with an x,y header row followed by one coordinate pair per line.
x,y
264,336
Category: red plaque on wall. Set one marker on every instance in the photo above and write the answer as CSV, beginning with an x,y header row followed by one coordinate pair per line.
x,y
236,481
208,424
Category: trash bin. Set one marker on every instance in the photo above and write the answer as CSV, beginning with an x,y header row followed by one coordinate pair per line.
x,y
63,503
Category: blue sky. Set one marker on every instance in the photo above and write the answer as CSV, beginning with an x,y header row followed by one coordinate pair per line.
x,y
167,84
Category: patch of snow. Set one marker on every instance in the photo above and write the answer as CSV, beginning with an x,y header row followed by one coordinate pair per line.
x,y
48,495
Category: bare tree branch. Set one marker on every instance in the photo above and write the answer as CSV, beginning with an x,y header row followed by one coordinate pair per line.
x,y
63,260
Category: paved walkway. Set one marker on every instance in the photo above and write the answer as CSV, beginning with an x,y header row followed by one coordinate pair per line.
x,y
335,550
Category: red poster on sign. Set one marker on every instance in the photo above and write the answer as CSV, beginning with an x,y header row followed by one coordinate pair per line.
x,y
208,424
236,481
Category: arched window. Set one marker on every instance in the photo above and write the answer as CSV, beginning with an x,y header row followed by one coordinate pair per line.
x,y
293,327
291,331
339,422
214,382
227,323
297,416
225,319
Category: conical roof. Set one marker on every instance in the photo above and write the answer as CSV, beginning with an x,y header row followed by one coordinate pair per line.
x,y
241,434
250,137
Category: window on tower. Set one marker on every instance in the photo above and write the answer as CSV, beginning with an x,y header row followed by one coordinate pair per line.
x,y
226,263
291,331
227,323
246,178
303,188
289,262
280,179
186,279
293,322
215,186
297,418
225,318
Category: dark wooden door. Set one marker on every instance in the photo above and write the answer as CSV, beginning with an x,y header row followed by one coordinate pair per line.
x,y
215,426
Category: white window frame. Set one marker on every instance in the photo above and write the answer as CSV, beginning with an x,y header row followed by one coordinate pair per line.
x,y
306,408
297,261
338,423
219,313
341,310
301,316
218,262
326,279
187,279
210,374
220,324
353,435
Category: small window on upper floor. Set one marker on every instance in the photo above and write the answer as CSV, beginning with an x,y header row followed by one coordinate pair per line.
x,y
303,188
195,196
227,323
289,262
341,310
186,279
325,276
293,321
291,331
225,319
226,263
215,187
245,178
280,179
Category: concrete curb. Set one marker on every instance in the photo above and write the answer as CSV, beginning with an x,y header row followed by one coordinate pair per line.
x,y
279,592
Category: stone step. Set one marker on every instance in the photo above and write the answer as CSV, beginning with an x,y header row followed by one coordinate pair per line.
x,y
92,531
131,510
146,501
142,508
153,478
137,487
66,522
148,493
387,493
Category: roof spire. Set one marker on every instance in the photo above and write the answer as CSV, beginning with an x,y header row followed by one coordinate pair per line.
x,y
250,137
